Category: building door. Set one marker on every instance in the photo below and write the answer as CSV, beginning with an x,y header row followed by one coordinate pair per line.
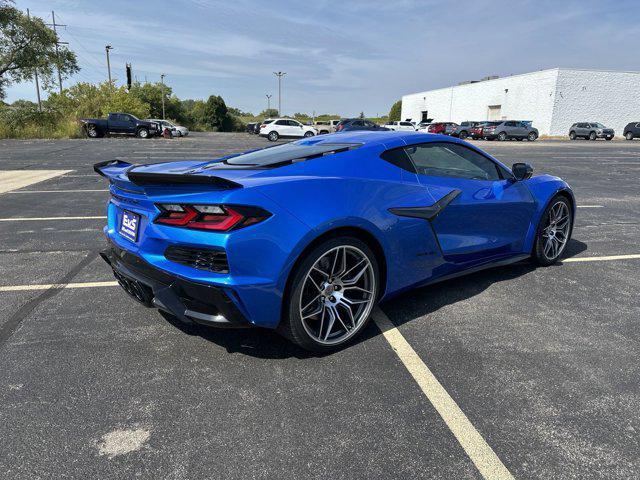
x,y
495,112
425,116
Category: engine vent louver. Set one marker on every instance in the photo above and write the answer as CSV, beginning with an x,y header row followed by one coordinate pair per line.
x,y
200,258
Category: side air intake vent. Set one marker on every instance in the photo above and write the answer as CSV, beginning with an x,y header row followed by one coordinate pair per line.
x,y
203,259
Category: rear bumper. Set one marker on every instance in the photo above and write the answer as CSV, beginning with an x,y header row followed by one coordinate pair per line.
x,y
188,301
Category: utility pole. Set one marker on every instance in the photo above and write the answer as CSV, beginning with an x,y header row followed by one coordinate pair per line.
x,y
54,25
35,73
279,75
268,103
162,82
107,48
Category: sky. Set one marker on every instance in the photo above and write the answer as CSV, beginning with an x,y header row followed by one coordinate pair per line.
x,y
340,57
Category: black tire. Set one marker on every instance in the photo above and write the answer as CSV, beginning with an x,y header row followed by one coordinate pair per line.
x,y
572,135
532,136
273,136
142,133
538,254
93,132
291,326
463,135
502,136
309,134
628,136
593,136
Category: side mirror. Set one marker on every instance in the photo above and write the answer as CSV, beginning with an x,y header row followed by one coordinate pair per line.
x,y
522,171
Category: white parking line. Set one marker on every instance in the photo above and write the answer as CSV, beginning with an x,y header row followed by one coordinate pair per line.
x,y
22,288
14,179
478,450
43,219
590,206
609,258
60,191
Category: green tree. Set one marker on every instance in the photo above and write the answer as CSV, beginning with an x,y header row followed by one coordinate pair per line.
x,y
216,114
268,113
89,100
26,45
395,112
151,93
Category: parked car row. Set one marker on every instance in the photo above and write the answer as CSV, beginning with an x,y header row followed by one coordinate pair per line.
x,y
118,123
500,130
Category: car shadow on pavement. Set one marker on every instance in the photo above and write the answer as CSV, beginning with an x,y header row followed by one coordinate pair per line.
x,y
423,301
266,343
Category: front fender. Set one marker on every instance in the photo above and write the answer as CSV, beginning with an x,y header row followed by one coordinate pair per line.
x,y
544,188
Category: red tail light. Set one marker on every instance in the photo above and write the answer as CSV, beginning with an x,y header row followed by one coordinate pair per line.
x,y
263,125
339,127
220,218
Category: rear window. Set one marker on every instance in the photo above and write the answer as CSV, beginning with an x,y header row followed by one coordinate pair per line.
x,y
272,157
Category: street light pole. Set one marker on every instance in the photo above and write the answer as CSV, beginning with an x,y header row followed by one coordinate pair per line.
x,y
107,48
162,82
279,75
268,103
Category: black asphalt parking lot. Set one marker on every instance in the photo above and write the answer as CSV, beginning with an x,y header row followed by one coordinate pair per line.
x,y
542,361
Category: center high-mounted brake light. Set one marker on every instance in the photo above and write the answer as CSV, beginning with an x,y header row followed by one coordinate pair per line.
x,y
220,218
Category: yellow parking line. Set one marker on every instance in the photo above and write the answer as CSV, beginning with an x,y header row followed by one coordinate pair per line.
x,y
601,259
478,450
42,219
22,288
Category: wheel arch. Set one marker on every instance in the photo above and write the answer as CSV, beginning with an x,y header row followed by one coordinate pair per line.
x,y
352,231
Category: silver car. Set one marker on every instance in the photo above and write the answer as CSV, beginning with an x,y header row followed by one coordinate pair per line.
x,y
176,130
508,129
591,131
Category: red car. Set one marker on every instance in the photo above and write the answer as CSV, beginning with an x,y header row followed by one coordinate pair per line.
x,y
445,128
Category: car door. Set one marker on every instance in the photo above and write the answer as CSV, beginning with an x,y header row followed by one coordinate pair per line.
x,y
282,127
296,129
486,214
582,130
118,123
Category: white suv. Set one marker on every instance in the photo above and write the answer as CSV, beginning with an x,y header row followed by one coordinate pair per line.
x,y
285,128
401,126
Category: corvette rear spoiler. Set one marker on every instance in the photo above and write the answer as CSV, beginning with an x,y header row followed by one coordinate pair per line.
x,y
112,168
101,168
143,178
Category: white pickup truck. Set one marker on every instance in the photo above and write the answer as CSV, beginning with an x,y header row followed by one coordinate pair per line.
x,y
326,126
401,126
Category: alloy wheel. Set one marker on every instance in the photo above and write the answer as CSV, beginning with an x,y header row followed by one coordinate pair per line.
x,y
556,232
338,295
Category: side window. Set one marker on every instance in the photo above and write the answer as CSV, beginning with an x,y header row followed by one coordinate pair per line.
x,y
399,158
282,122
405,124
637,125
451,160
510,124
358,123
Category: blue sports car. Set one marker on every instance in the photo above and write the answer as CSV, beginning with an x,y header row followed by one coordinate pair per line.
x,y
307,236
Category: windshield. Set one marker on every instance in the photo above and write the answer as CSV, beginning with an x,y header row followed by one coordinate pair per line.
x,y
283,154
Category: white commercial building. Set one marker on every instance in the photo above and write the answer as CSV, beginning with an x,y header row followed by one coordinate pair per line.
x,y
553,99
